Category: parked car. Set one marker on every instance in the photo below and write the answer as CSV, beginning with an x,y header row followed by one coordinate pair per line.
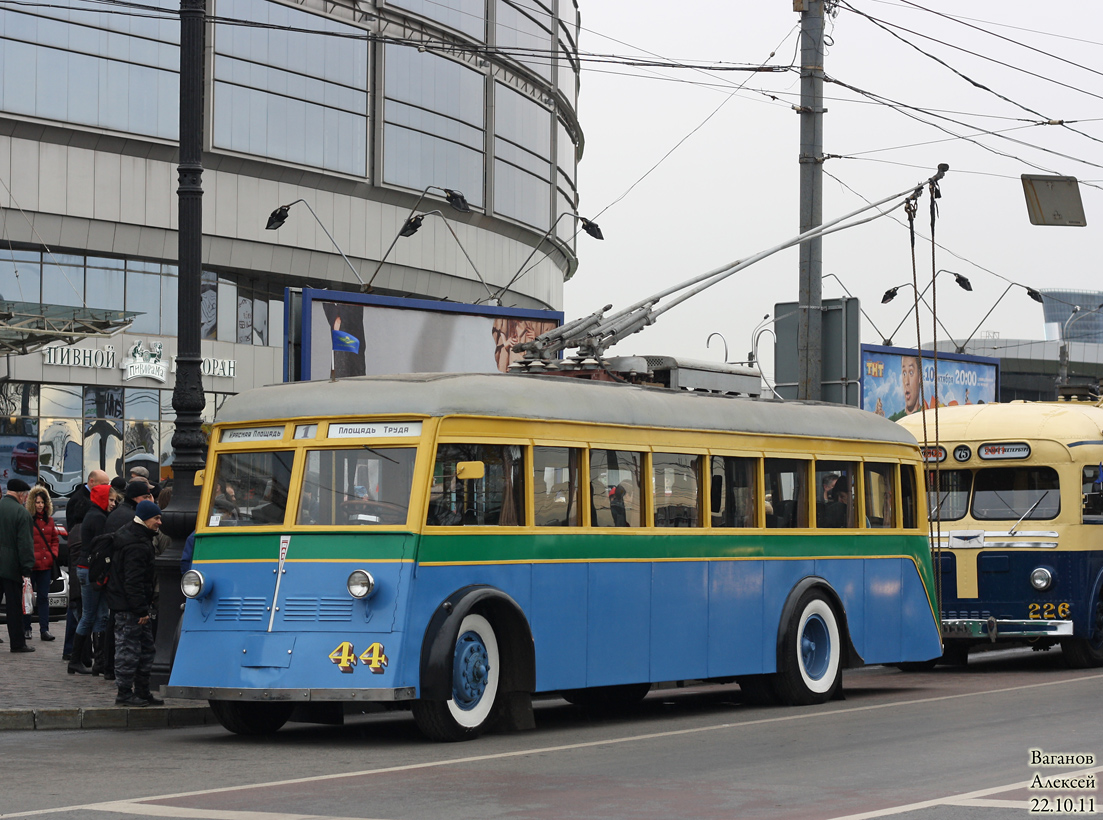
x,y
24,458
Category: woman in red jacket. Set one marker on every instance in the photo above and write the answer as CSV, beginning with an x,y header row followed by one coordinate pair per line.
x,y
45,557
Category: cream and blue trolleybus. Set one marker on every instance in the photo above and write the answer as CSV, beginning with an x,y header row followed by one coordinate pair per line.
x,y
1017,506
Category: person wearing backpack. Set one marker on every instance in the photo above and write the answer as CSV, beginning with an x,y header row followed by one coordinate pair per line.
x,y
130,597
93,621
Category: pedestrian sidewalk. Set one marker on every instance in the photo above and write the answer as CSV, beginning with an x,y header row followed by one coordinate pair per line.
x,y
36,692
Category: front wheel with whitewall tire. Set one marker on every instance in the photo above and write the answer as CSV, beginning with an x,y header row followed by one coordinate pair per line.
x,y
476,674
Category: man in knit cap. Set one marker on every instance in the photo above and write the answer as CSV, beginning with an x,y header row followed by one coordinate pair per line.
x,y
130,596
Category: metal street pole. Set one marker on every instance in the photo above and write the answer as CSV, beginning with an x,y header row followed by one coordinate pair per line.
x,y
809,338
188,443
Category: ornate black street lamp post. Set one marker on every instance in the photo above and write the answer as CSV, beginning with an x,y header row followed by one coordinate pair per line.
x,y
188,443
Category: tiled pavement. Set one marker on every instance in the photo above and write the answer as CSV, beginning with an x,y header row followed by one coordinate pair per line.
x,y
36,692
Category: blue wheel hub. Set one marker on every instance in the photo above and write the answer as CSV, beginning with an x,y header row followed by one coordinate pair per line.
x,y
470,671
815,647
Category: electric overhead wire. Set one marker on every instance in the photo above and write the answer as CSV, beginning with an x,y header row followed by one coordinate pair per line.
x,y
1001,25
885,26
939,245
961,20
906,110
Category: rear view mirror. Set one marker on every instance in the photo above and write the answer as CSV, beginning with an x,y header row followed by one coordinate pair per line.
x,y
470,469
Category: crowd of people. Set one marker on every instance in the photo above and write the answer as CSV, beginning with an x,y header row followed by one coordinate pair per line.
x,y
109,629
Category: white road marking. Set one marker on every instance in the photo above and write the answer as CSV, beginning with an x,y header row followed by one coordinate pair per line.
x,y
976,798
432,764
153,810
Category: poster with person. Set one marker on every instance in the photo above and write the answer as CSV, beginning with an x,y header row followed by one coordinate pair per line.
x,y
897,382
350,334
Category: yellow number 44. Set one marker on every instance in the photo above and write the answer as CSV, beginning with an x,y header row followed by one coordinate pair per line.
x,y
344,656
374,658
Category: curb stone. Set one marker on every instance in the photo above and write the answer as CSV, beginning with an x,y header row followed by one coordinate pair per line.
x,y
107,717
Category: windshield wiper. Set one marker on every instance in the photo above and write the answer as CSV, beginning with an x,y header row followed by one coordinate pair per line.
x,y
1028,512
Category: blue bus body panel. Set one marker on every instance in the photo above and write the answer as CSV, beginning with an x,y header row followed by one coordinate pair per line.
x,y
594,623
225,640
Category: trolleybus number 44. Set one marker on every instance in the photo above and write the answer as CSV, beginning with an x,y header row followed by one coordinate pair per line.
x,y
373,657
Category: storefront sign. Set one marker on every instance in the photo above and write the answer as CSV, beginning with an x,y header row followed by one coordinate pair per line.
x,y
145,364
62,356
224,368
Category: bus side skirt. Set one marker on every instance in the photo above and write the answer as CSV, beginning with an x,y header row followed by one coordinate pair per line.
x,y
850,659
518,677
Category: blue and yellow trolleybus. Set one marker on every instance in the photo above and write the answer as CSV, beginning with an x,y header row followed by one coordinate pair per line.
x,y
1019,514
458,543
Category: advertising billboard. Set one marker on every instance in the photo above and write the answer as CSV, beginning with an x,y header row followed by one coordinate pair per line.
x,y
353,334
891,378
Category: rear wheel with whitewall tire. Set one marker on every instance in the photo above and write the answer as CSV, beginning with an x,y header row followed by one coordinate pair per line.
x,y
810,665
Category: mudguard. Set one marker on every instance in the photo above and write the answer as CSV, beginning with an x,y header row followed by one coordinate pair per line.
x,y
510,626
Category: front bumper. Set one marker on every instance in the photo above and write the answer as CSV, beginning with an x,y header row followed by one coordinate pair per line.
x,y
994,629
297,695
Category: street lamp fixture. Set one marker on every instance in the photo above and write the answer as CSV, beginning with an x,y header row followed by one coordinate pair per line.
x,y
279,216
410,226
1064,360
413,224
1033,294
588,225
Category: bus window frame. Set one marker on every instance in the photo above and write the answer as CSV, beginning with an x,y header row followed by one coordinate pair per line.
x,y
701,475
809,499
646,506
432,443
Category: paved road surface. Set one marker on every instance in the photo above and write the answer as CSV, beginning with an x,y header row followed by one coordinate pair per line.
x,y
953,743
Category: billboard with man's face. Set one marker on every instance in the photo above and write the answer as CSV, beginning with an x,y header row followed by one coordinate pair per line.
x,y
350,334
897,382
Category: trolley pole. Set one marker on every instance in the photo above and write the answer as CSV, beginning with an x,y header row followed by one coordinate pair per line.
x,y
809,338
188,444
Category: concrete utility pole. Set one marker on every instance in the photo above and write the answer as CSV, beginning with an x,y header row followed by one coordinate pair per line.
x,y
809,340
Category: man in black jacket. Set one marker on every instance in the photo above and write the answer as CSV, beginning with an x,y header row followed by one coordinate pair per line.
x,y
134,493
130,595
81,500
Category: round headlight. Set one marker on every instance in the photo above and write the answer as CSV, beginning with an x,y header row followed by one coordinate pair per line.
x,y
1041,579
192,583
360,583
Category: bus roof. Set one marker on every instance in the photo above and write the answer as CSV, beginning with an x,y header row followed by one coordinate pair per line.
x,y
1063,422
554,398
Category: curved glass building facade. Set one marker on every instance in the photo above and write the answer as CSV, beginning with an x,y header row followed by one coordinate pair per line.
x,y
361,109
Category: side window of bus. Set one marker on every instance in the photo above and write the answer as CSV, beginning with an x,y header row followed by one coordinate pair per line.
x,y
1092,489
881,495
357,487
615,479
496,499
251,489
909,502
674,484
555,475
1013,493
731,492
835,503
786,492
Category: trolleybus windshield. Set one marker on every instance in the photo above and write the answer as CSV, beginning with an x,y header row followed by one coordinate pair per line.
x,y
1011,493
251,489
361,486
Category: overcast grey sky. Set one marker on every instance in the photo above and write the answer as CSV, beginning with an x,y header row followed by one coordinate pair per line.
x,y
731,189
